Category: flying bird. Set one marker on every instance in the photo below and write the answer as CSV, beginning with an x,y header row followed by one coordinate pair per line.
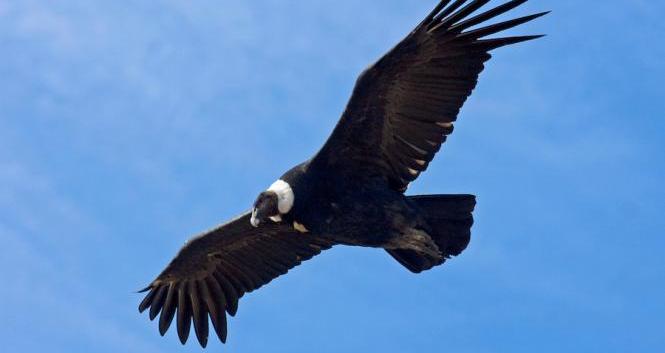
x,y
351,192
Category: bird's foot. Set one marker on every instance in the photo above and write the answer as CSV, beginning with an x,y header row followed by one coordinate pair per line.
x,y
421,242
300,227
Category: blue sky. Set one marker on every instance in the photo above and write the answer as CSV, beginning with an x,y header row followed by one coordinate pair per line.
x,y
127,126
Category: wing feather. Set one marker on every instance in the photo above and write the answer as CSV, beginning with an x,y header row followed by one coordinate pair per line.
x,y
168,310
402,107
199,314
230,292
147,300
157,303
215,305
214,270
184,313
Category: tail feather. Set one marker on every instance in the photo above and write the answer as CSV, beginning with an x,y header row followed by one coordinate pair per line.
x,y
450,219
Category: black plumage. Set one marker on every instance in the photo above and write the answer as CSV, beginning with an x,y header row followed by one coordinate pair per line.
x,y
352,191
213,270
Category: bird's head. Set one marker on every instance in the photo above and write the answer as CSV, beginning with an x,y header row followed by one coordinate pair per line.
x,y
272,203
265,207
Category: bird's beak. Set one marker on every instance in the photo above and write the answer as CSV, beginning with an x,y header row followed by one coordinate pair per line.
x,y
254,221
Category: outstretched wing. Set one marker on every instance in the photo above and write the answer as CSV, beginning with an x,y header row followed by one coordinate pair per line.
x,y
404,106
213,270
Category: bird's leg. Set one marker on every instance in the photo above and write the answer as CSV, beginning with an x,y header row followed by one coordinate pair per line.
x,y
418,240
300,227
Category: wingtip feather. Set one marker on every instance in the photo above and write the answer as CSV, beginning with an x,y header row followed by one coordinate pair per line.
x,y
498,27
184,318
495,43
487,15
147,300
168,310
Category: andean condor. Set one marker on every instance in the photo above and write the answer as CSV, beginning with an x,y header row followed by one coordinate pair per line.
x,y
352,191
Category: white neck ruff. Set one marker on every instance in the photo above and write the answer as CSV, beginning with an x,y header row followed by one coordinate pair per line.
x,y
285,196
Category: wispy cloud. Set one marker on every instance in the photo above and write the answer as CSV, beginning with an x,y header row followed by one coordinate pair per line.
x,y
126,125
46,241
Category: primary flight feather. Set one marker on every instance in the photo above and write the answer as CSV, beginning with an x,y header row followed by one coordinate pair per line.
x,y
352,191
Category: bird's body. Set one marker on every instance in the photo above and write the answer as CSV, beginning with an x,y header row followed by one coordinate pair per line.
x,y
340,207
351,192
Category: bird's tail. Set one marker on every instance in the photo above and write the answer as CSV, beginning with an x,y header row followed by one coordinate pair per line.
x,y
450,221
